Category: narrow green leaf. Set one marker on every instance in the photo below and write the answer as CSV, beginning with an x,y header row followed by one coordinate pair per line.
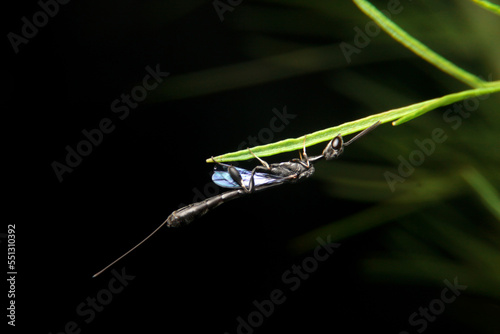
x,y
314,138
417,47
488,6
401,115
449,99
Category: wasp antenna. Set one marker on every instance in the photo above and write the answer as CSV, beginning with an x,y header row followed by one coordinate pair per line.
x,y
362,133
130,250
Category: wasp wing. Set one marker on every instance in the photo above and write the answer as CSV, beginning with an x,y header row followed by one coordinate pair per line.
x,y
222,178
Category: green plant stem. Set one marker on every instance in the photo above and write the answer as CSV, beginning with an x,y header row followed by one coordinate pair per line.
x,y
417,47
399,116
488,6
449,99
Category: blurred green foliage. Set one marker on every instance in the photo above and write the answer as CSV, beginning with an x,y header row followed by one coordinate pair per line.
x,y
443,219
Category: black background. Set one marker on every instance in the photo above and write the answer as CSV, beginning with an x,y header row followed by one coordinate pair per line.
x,y
200,278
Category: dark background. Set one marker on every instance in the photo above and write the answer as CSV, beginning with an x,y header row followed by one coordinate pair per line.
x,y
200,278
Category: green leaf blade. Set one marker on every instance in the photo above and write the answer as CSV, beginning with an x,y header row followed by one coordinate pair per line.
x,y
417,47
398,115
